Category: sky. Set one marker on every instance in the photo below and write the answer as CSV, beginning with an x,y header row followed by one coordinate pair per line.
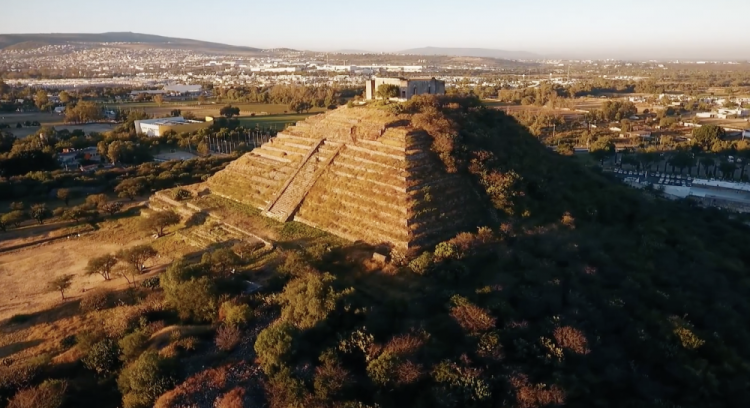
x,y
634,29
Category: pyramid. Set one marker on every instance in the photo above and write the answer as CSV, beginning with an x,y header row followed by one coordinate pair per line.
x,y
359,173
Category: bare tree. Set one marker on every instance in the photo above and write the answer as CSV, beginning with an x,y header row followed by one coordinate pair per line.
x,y
61,284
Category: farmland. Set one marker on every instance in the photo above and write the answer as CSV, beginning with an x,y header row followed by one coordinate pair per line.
x,y
251,115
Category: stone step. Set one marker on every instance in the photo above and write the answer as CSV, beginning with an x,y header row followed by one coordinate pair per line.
x,y
269,156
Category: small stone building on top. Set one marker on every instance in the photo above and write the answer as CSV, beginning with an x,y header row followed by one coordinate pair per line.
x,y
407,87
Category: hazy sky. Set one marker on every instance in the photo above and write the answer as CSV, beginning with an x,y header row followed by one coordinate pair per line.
x,y
575,28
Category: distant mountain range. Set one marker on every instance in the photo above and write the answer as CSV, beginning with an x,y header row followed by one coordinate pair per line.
x,y
27,41
471,52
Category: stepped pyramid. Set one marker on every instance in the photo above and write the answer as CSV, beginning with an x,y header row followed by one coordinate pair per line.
x,y
359,173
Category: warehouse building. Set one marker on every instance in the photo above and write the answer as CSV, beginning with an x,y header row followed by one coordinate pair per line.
x,y
158,127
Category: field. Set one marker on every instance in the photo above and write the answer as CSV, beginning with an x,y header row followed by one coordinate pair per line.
x,y
251,115
32,255
208,109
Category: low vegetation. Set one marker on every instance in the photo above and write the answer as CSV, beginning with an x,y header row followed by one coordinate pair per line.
x,y
576,291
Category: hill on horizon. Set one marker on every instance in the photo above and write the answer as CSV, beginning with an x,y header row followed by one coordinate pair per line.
x,y
21,41
471,52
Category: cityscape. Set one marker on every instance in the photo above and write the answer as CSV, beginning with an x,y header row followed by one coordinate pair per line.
x,y
236,205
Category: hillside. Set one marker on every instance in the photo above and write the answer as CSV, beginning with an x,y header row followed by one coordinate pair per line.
x,y
577,292
37,40
472,52
568,289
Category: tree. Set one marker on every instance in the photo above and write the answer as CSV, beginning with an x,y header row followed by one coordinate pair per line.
x,y
275,345
727,169
387,91
229,111
14,218
102,265
203,149
84,111
147,378
115,151
127,272
602,148
131,188
707,162
112,208
76,213
50,394
96,200
63,194
223,259
158,221
41,100
309,299
706,135
64,97
300,106
158,99
137,256
566,149
60,284
682,159
39,212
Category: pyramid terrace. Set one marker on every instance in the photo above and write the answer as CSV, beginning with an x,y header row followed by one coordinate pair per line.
x,y
358,173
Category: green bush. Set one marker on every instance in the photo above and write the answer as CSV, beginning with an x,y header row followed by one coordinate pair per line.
x,y
182,194
143,381
150,283
422,264
275,345
382,369
19,375
103,357
133,344
50,394
235,315
96,300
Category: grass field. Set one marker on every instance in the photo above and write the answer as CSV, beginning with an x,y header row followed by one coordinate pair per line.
x,y
25,272
263,115
208,109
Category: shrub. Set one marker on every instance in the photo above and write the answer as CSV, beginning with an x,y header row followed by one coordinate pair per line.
x,y
232,399
309,299
382,369
228,337
103,357
274,346
132,345
446,250
194,299
572,339
470,317
182,194
150,283
15,376
233,314
50,394
143,381
96,300
422,264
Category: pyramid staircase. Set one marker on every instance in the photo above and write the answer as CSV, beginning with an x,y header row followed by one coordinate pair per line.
x,y
288,199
